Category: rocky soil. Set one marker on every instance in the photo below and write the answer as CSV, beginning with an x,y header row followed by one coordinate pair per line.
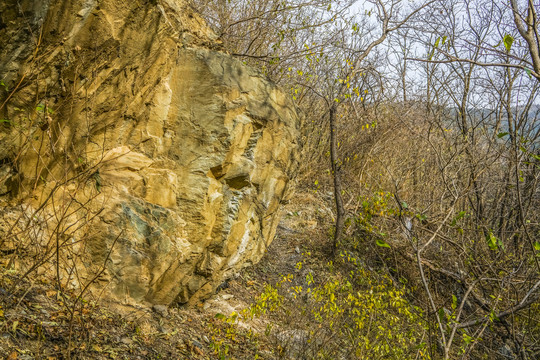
x,y
38,322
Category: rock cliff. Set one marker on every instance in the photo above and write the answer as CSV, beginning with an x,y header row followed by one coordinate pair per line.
x,y
136,157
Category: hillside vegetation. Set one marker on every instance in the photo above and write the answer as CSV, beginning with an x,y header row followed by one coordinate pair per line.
x,y
422,137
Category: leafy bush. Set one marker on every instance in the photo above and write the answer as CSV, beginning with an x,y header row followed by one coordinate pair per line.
x,y
345,311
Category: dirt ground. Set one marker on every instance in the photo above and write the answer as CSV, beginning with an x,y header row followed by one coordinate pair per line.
x,y
38,322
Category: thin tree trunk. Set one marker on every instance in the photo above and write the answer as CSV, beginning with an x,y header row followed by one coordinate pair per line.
x,y
340,211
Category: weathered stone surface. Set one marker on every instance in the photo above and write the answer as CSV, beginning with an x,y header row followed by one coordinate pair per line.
x,y
153,158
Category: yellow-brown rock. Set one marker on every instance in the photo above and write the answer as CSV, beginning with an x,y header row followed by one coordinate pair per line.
x,y
152,161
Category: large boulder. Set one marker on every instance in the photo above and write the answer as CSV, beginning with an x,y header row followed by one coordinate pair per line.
x,y
151,161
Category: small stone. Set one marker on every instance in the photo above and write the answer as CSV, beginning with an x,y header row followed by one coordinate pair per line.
x,y
164,329
205,338
226,296
162,310
297,249
126,341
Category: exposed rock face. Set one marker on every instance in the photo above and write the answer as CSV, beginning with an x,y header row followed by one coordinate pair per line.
x,y
137,148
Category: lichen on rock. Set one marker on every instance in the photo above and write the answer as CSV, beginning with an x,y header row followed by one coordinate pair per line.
x,y
143,150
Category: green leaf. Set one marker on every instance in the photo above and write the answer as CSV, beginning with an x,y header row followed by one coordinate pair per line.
x,y
421,217
468,339
220,316
528,72
454,302
501,134
508,40
493,242
436,45
458,216
382,243
442,315
537,246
